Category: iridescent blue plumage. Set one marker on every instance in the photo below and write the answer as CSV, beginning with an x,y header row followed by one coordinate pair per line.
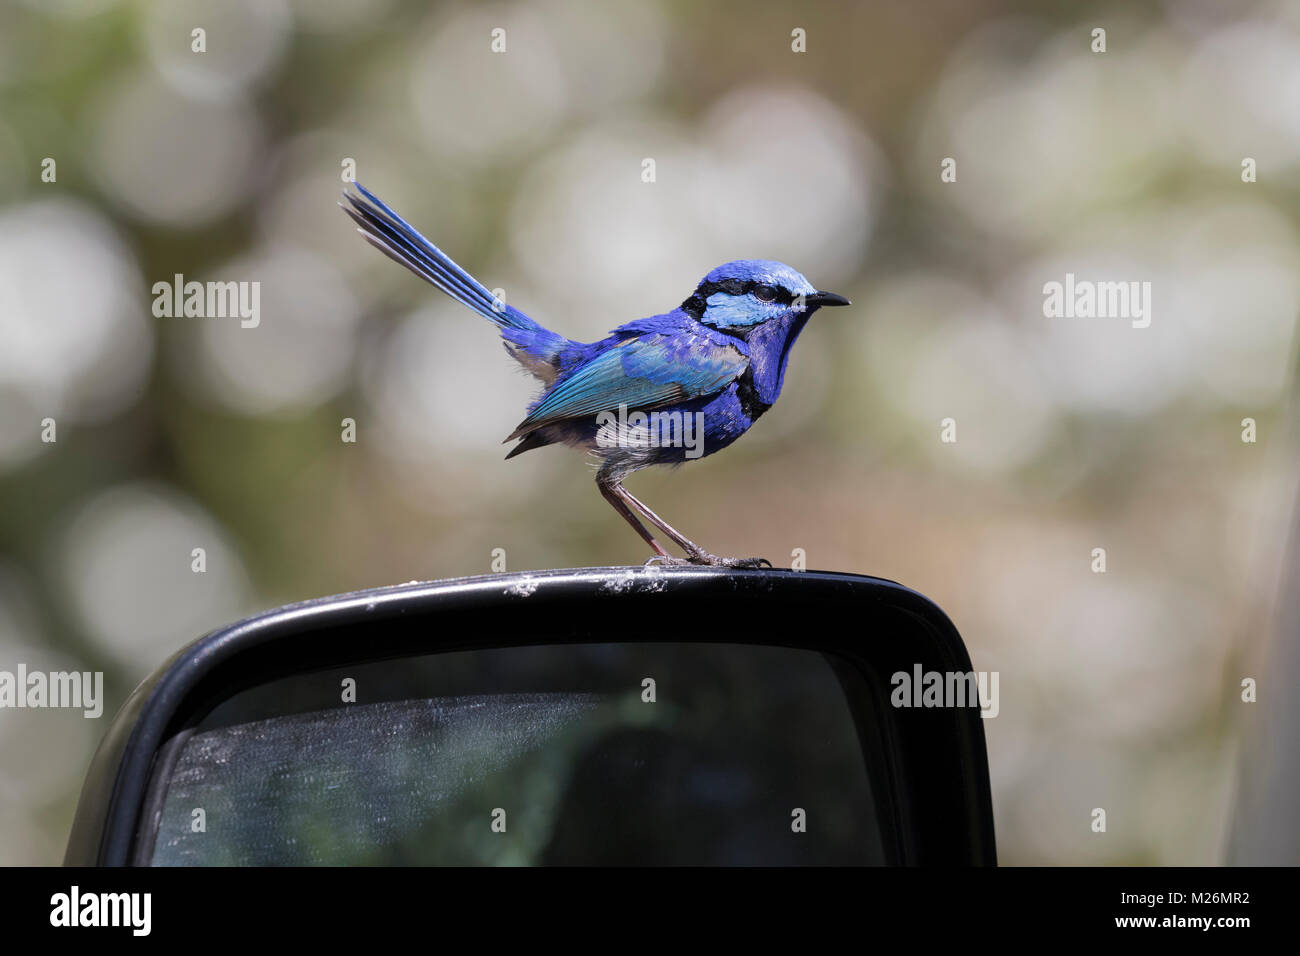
x,y
699,375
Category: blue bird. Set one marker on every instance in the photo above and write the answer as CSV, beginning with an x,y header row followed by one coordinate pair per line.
x,y
657,391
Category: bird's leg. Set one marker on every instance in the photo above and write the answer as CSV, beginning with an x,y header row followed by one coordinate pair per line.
x,y
610,491
694,553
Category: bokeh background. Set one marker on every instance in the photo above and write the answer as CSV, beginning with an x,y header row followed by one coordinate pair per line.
x,y
1118,690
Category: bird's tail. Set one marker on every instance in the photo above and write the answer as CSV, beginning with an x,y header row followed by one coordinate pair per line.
x,y
396,238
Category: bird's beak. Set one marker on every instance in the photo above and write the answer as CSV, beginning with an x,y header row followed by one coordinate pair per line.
x,y
825,298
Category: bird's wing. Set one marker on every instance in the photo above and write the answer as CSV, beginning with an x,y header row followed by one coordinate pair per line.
x,y
645,372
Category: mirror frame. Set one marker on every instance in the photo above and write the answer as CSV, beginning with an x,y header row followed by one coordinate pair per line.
x,y
928,767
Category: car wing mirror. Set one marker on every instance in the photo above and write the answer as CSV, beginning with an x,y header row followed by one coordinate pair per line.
x,y
600,716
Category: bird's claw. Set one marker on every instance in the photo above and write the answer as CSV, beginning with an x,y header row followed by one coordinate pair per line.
x,y
738,562
703,558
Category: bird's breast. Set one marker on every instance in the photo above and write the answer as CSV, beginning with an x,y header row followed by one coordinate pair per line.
x,y
747,394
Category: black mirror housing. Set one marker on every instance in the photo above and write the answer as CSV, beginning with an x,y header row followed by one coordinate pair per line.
x,y
730,633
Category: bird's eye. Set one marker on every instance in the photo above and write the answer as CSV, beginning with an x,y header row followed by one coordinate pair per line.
x,y
765,293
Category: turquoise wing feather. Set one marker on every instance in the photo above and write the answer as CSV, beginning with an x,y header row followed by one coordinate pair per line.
x,y
640,373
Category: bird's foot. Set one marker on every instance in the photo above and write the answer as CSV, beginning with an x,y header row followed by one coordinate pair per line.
x,y
717,562
703,558
666,561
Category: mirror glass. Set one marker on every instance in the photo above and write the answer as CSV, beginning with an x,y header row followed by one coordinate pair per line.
x,y
617,753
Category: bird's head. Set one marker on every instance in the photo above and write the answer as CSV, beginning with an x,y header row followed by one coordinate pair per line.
x,y
750,292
